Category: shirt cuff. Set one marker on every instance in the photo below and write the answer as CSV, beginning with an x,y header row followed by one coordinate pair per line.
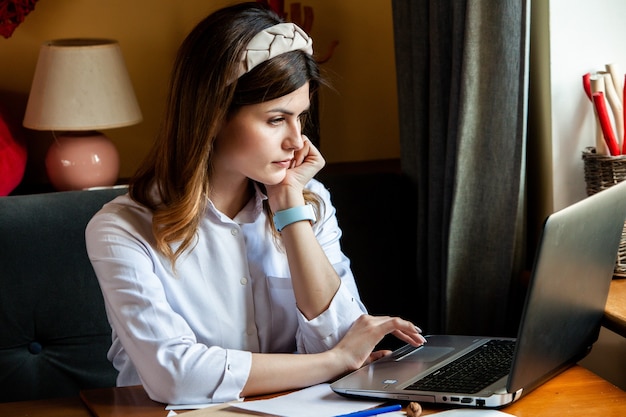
x,y
236,372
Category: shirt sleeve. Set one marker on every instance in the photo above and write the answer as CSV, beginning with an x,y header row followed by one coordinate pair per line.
x,y
171,364
326,330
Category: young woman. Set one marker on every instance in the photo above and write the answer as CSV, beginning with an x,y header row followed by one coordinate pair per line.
x,y
224,258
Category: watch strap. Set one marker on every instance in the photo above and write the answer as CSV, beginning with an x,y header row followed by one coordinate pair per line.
x,y
284,218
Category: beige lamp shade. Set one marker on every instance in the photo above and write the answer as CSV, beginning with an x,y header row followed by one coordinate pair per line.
x,y
81,84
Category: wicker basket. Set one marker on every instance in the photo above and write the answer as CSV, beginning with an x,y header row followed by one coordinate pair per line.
x,y
601,172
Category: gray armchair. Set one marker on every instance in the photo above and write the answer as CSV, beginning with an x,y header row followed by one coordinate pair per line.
x,y
54,332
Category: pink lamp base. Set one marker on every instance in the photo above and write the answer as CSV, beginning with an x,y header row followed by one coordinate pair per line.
x,y
79,160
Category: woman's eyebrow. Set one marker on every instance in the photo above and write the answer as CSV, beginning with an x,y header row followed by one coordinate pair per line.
x,y
280,110
285,111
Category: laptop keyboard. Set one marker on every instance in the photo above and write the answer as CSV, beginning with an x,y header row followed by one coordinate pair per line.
x,y
471,372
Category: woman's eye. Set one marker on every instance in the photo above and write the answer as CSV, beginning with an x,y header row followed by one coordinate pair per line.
x,y
277,120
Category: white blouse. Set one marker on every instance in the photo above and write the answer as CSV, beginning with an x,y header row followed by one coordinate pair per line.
x,y
187,336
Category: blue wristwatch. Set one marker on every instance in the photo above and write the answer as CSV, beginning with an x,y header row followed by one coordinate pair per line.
x,y
284,218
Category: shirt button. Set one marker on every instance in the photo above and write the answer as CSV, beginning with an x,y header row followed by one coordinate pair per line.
x,y
234,232
243,281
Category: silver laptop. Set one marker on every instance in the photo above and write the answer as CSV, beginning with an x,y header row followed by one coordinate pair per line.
x,y
560,322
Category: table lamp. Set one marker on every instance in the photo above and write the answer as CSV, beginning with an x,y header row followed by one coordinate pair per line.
x,y
79,87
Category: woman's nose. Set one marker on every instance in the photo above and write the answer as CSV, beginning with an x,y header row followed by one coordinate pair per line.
x,y
294,138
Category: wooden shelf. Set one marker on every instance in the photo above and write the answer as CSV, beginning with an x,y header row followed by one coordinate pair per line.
x,y
615,310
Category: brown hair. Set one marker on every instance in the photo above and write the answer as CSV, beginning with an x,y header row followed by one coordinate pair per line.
x,y
174,179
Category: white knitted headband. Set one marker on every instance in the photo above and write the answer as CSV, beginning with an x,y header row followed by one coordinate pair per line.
x,y
273,41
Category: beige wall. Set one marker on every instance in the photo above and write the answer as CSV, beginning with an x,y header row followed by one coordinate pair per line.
x,y
358,121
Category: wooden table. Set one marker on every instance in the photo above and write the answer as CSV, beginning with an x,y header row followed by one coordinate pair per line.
x,y
615,310
575,392
60,407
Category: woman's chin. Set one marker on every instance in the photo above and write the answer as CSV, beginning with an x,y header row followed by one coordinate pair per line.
x,y
273,179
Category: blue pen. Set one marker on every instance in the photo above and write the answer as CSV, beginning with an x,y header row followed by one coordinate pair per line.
x,y
373,411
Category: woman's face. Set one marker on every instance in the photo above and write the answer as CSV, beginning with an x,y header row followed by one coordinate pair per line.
x,y
260,140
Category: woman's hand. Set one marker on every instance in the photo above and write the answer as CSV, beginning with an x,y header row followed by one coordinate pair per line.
x,y
356,347
307,162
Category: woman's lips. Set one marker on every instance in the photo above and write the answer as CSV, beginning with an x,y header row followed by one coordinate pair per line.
x,y
284,164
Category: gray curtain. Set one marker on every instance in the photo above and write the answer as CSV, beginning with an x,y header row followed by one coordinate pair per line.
x,y
462,73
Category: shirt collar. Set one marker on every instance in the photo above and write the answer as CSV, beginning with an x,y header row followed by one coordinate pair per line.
x,y
250,212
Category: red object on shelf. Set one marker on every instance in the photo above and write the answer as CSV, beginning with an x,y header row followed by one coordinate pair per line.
x,y
12,13
587,85
605,123
13,157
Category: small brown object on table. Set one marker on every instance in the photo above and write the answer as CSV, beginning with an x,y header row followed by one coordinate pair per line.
x,y
413,409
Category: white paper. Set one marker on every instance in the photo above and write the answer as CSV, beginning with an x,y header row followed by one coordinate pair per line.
x,y
172,408
316,401
190,406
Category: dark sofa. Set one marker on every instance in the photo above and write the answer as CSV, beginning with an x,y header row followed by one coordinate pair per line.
x,y
55,334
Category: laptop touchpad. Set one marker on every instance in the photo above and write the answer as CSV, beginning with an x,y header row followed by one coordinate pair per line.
x,y
426,354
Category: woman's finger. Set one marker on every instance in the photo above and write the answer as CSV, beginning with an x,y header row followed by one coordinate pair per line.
x,y
301,154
